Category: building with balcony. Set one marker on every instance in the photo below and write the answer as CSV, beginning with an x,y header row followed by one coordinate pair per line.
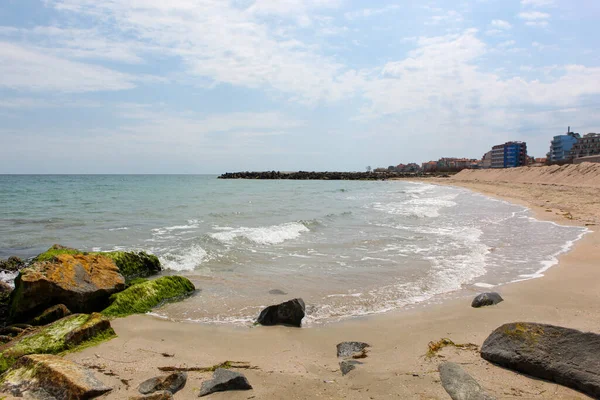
x,y
509,155
588,145
561,145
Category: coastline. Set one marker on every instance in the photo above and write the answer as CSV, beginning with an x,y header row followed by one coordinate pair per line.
x,y
301,363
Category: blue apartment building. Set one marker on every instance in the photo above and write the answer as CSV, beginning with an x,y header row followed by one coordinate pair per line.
x,y
561,145
509,155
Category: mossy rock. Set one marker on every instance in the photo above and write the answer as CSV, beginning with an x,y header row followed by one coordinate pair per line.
x,y
51,314
55,250
143,297
134,265
131,264
67,334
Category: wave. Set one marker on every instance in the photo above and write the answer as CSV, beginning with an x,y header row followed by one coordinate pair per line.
x,y
274,234
419,207
187,261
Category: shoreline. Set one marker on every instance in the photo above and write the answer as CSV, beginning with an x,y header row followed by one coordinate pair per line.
x,y
301,363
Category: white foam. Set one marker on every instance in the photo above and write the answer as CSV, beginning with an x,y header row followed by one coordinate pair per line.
x,y
123,228
428,207
483,285
8,277
187,261
274,234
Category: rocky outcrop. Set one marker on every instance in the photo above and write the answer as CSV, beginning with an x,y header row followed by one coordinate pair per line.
x,y
13,264
352,349
459,384
64,334
50,315
134,265
224,380
81,282
562,355
130,264
289,313
143,297
486,299
48,376
171,383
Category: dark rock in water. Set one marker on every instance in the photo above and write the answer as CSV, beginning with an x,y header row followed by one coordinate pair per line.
x,y
224,380
13,264
348,365
47,375
277,291
172,383
486,299
50,315
289,313
459,384
81,282
5,288
562,355
160,395
352,349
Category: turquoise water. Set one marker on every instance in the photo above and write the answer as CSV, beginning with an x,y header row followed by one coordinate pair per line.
x,y
347,247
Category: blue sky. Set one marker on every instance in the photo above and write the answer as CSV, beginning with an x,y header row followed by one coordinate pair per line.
x,y
207,86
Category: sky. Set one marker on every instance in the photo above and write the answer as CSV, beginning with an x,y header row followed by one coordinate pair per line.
x,y
208,86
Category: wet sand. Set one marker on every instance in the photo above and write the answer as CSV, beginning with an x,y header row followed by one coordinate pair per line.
x,y
301,363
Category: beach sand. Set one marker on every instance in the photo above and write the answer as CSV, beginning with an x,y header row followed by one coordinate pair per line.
x,y
301,363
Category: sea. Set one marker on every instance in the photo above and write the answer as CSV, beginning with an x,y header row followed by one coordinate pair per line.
x,y
348,248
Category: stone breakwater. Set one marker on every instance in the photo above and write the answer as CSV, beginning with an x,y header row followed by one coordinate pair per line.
x,y
305,175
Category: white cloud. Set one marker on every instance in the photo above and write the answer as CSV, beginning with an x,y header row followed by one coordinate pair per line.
x,y
30,69
500,24
450,16
370,12
534,15
224,44
537,3
508,43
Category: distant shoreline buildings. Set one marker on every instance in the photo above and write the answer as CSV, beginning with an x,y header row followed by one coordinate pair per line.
x,y
570,147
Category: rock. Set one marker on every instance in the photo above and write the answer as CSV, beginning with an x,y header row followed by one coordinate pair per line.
x,y
352,349
83,283
459,384
134,265
160,395
131,264
289,313
13,264
171,383
64,334
486,299
142,297
50,315
53,376
224,380
566,356
277,291
348,365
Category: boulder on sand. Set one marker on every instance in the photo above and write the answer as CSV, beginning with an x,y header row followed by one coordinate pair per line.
x,y
143,297
224,380
52,314
83,283
289,313
459,384
486,299
172,383
352,349
53,376
562,355
348,365
57,337
160,395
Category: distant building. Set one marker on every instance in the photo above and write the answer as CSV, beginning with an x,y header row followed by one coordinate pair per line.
x,y
486,160
429,166
560,147
588,145
509,155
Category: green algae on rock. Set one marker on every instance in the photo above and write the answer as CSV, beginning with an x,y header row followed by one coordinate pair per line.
x,y
134,265
54,251
51,314
67,334
49,376
143,297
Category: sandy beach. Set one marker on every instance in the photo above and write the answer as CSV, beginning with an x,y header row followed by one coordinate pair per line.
x,y
296,363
